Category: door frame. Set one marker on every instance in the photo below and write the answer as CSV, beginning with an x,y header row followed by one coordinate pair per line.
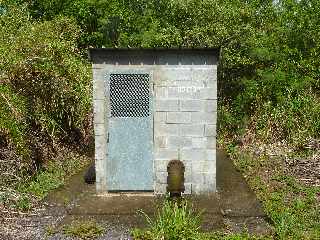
x,y
129,70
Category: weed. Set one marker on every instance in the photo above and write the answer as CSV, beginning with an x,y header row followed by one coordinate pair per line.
x,y
23,203
51,230
173,221
224,236
83,230
55,175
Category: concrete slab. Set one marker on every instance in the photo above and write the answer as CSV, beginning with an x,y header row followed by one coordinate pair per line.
x,y
234,206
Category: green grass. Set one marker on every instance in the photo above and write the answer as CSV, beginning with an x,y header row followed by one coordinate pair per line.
x,y
293,207
173,221
224,236
37,188
83,229
55,175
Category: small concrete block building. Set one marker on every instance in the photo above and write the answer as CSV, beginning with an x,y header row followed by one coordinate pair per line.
x,y
152,106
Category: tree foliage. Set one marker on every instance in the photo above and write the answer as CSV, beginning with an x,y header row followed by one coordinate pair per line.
x,y
45,84
268,69
269,63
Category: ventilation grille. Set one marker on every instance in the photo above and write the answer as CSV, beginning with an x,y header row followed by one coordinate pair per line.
x,y
129,95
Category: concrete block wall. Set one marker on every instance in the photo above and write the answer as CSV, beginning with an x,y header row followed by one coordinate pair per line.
x,y
100,113
185,125
185,112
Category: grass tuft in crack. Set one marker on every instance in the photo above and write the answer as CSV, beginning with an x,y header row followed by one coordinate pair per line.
x,y
83,229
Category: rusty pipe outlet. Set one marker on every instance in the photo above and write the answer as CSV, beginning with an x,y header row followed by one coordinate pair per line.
x,y
175,179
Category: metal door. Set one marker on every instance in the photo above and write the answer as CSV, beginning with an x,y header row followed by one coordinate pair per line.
x,y
130,162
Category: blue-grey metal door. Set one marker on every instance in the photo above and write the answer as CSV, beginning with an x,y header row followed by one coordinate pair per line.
x,y
130,161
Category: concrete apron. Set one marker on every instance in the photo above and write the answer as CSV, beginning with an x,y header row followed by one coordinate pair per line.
x,y
234,207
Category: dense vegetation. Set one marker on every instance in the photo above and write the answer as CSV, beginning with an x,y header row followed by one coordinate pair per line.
x,y
44,93
269,66
269,72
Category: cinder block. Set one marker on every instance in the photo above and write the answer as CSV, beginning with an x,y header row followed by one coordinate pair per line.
x,y
189,84
211,168
101,188
208,93
161,165
209,178
204,183
161,177
100,147
164,129
210,84
178,117
99,168
99,129
176,73
179,142
210,130
167,105
99,88
192,105
204,142
197,105
160,188
210,106
161,92
166,83
182,92
98,73
160,117
101,178
211,154
99,110
199,142
200,117
204,74
165,154
211,143
192,130
193,154
160,142
187,189
202,189
199,167
188,175
196,189
98,65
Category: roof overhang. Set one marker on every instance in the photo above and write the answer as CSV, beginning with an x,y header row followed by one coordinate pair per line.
x,y
154,56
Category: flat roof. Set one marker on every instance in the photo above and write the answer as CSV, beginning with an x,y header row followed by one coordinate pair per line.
x,y
155,56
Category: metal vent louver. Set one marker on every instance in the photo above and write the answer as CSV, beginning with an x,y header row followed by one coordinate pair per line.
x,y
129,95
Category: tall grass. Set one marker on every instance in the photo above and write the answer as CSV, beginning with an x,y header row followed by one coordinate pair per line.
x,y
174,220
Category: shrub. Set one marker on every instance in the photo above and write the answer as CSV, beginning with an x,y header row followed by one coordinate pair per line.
x,y
41,63
44,83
